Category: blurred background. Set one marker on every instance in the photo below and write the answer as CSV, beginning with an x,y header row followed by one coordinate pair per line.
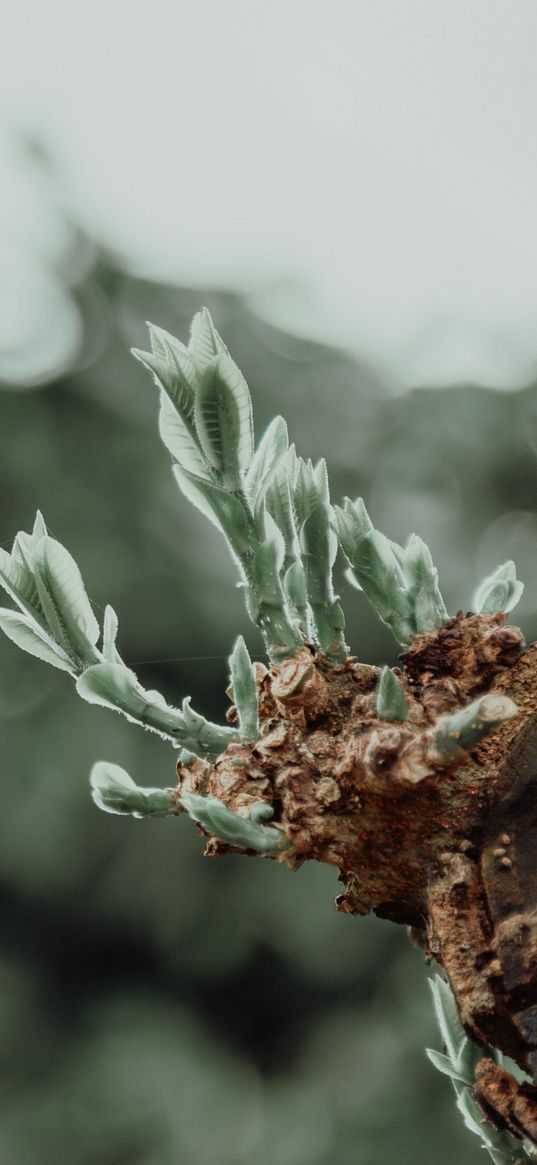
x,y
351,190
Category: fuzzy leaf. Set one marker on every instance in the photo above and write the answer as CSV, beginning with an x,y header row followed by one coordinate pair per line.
x,y
279,505
112,685
390,699
501,591
473,1117
421,578
378,573
114,791
229,827
223,509
459,731
294,584
353,522
110,627
444,1065
17,579
39,528
305,495
267,564
29,636
242,674
61,577
223,412
447,1016
267,460
181,440
204,342
181,373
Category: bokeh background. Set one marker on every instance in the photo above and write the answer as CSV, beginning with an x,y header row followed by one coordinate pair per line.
x,y
351,190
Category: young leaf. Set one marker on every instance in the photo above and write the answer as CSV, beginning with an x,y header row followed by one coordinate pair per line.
x,y
181,439
114,791
223,412
223,509
204,342
17,579
353,521
390,700
279,505
377,570
28,635
318,545
462,730
267,460
229,827
421,578
473,1117
444,1065
294,585
59,573
39,528
112,685
447,1016
110,626
501,591
242,674
181,369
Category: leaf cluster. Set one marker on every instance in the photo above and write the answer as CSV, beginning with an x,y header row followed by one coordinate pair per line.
x,y
458,1061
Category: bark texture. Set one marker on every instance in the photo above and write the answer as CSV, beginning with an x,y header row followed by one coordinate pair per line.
x,y
445,845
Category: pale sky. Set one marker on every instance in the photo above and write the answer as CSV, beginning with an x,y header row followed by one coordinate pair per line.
x,y
364,172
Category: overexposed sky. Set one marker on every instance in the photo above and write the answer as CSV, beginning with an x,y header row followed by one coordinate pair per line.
x,y
365,171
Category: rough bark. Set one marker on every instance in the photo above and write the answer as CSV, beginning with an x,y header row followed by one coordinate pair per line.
x,y
448,848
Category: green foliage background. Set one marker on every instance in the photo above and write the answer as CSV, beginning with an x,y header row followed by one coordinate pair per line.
x,y
156,1008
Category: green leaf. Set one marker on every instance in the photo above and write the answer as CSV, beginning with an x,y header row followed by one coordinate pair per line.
x,y
114,791
110,628
39,528
29,636
353,521
223,412
177,377
279,505
378,573
294,584
59,573
112,685
182,374
242,672
181,440
229,827
447,1016
223,509
421,578
267,564
390,699
204,342
501,591
305,491
462,730
444,1065
267,460
473,1117
17,579
172,369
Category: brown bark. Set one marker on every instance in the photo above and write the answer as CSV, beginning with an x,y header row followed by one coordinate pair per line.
x,y
449,849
